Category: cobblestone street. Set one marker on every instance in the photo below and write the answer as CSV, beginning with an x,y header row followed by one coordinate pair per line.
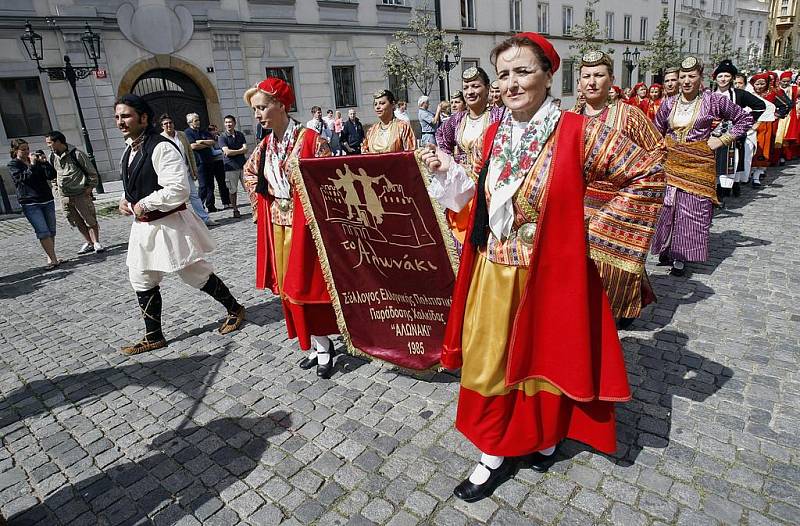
x,y
227,429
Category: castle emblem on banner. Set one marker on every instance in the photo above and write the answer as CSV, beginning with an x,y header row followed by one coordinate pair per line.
x,y
372,208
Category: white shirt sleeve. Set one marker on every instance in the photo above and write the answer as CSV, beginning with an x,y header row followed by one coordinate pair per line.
x,y
453,188
172,177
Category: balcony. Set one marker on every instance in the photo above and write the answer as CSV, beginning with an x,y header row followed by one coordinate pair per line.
x,y
783,23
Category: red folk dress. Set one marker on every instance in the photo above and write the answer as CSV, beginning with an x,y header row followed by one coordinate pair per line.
x,y
537,344
286,258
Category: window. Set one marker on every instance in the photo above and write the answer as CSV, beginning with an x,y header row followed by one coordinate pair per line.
x,y
609,25
468,14
626,27
643,29
394,2
287,74
758,35
22,107
784,7
467,63
741,28
397,87
568,77
642,74
516,15
750,34
543,18
566,20
589,15
344,86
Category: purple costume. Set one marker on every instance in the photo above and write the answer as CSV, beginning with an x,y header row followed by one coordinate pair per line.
x,y
446,134
683,227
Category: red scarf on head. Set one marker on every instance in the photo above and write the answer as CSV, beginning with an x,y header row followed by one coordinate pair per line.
x,y
564,331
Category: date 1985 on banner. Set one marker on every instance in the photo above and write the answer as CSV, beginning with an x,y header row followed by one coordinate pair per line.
x,y
416,348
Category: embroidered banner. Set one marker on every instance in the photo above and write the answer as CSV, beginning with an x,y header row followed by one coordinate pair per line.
x,y
386,253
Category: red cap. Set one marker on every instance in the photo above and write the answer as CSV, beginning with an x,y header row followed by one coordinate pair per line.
x,y
279,89
617,89
546,47
786,75
760,76
773,74
639,85
656,85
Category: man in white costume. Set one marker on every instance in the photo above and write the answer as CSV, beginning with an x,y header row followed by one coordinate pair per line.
x,y
165,236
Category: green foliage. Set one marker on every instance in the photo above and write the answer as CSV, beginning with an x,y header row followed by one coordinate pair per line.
x,y
722,50
587,35
661,51
413,54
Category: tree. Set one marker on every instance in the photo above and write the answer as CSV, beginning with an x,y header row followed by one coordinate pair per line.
x,y
723,50
587,35
661,51
413,54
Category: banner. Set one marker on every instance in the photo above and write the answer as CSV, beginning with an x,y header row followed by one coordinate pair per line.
x,y
386,253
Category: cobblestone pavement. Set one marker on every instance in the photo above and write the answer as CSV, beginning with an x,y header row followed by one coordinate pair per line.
x,y
227,430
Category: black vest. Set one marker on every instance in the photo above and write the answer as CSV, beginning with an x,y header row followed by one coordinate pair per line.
x,y
140,178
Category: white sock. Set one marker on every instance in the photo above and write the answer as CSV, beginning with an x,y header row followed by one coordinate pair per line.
x,y
321,344
549,451
677,264
480,475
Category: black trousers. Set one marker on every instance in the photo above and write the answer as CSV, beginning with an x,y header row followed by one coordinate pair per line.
x,y
206,174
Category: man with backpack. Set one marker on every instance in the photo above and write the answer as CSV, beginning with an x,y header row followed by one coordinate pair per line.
x,y
76,179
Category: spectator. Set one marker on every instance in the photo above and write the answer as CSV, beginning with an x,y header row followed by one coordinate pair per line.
x,y
218,167
202,143
35,196
338,125
495,98
233,145
318,124
442,113
426,122
180,140
352,134
457,102
400,111
76,179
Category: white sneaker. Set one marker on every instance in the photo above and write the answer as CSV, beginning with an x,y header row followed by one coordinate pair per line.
x,y
98,248
85,249
211,222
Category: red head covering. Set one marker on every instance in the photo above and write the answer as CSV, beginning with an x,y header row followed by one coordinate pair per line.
x,y
617,89
639,85
786,75
761,76
279,89
656,85
546,47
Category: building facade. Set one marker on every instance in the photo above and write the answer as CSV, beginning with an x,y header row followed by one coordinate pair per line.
x,y
752,18
781,44
192,57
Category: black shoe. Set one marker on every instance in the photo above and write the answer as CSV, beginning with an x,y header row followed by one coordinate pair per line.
x,y
326,371
469,492
211,209
755,184
538,462
737,189
664,261
624,323
307,363
677,271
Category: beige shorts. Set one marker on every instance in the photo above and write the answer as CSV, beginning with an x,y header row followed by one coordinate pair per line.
x,y
233,179
80,210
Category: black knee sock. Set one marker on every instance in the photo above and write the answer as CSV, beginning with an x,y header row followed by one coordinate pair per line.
x,y
215,288
150,304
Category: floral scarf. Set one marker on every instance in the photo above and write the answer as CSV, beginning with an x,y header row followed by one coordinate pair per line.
x,y
510,165
277,152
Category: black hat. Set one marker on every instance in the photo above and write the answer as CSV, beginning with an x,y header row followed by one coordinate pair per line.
x,y
726,66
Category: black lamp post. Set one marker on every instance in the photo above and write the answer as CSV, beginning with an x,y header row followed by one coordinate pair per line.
x,y
631,60
91,44
446,65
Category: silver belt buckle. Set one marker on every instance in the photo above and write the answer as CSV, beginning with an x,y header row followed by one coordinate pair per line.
x,y
526,232
284,205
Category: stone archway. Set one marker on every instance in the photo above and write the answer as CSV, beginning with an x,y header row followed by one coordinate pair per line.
x,y
174,63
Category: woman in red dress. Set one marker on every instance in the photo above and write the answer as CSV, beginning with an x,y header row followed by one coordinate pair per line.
x,y
530,325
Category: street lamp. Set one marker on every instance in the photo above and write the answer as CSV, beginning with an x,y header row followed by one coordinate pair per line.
x,y
446,65
91,44
631,60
